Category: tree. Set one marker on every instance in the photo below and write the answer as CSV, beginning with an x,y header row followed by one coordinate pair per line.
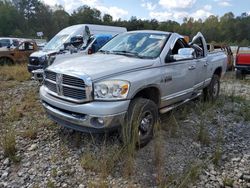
x,y
107,19
10,19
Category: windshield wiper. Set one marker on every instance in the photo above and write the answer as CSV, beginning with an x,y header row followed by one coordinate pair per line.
x,y
128,53
104,51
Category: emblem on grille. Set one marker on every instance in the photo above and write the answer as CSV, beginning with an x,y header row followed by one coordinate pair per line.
x,y
59,87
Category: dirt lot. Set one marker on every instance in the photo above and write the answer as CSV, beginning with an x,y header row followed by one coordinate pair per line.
x,y
198,145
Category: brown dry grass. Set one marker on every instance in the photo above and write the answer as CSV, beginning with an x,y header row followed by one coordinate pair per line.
x,y
16,72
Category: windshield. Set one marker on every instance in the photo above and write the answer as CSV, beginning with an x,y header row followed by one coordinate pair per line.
x,y
56,42
141,45
244,50
4,42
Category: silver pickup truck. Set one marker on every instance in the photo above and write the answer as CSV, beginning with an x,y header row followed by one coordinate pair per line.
x,y
132,79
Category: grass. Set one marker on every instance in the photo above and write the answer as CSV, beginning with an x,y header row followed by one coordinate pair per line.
x,y
16,72
8,143
103,162
51,184
98,184
218,149
31,132
159,156
245,111
203,134
228,181
171,125
191,175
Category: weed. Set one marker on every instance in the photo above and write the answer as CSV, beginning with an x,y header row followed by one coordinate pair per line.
x,y
30,132
14,114
183,112
228,181
15,72
203,134
191,175
89,161
53,172
51,184
8,143
159,156
217,155
171,125
30,103
245,111
98,184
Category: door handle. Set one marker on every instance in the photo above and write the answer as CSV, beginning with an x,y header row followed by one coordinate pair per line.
x,y
168,79
206,64
192,67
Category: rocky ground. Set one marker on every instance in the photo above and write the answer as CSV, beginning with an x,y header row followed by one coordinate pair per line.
x,y
198,145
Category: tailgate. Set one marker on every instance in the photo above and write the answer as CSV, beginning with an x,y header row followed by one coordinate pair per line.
x,y
243,59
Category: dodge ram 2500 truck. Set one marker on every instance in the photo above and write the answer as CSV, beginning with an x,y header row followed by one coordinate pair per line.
x,y
132,78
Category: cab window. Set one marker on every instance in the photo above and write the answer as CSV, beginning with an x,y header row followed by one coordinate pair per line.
x,y
197,45
26,46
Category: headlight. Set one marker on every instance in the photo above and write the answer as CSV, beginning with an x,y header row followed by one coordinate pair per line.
x,y
42,59
111,90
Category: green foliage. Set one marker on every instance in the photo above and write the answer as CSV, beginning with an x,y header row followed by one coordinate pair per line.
x,y
23,18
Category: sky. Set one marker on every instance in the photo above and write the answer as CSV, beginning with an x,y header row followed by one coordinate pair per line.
x,y
162,10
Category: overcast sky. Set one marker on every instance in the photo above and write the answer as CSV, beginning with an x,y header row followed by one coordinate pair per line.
x,y
161,10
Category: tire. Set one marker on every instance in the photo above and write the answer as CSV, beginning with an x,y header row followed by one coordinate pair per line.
x,y
211,92
239,75
6,61
141,118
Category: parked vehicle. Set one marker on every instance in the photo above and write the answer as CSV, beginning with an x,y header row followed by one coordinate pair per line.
x,y
18,54
242,62
69,39
92,46
129,80
9,42
227,50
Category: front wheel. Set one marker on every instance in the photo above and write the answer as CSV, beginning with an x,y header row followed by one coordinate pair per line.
x,y
6,61
141,119
211,92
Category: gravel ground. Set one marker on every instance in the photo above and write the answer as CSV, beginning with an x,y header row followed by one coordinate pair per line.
x,y
199,145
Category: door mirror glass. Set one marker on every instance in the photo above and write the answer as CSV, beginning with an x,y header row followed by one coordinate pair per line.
x,y
184,54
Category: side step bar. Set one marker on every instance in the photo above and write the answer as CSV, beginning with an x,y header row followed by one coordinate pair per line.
x,y
169,108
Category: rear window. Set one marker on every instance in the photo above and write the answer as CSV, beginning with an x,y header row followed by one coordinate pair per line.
x,y
4,42
244,50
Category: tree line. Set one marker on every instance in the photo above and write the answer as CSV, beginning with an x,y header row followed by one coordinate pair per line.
x,y
24,18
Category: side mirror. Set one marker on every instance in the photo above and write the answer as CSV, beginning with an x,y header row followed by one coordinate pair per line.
x,y
184,54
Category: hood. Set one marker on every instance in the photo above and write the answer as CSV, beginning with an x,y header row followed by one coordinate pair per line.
x,y
5,49
42,53
98,66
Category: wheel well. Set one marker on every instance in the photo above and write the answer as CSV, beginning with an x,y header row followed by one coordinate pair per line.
x,y
6,57
218,71
151,93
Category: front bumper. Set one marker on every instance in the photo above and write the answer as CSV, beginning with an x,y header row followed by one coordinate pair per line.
x,y
88,117
38,75
34,67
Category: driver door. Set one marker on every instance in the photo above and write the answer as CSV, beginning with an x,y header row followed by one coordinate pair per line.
x,y
179,77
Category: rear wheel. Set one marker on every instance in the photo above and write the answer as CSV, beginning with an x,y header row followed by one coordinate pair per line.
x,y
142,117
211,92
6,61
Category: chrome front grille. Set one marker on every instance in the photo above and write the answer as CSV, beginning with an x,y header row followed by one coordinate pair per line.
x,y
50,75
67,87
